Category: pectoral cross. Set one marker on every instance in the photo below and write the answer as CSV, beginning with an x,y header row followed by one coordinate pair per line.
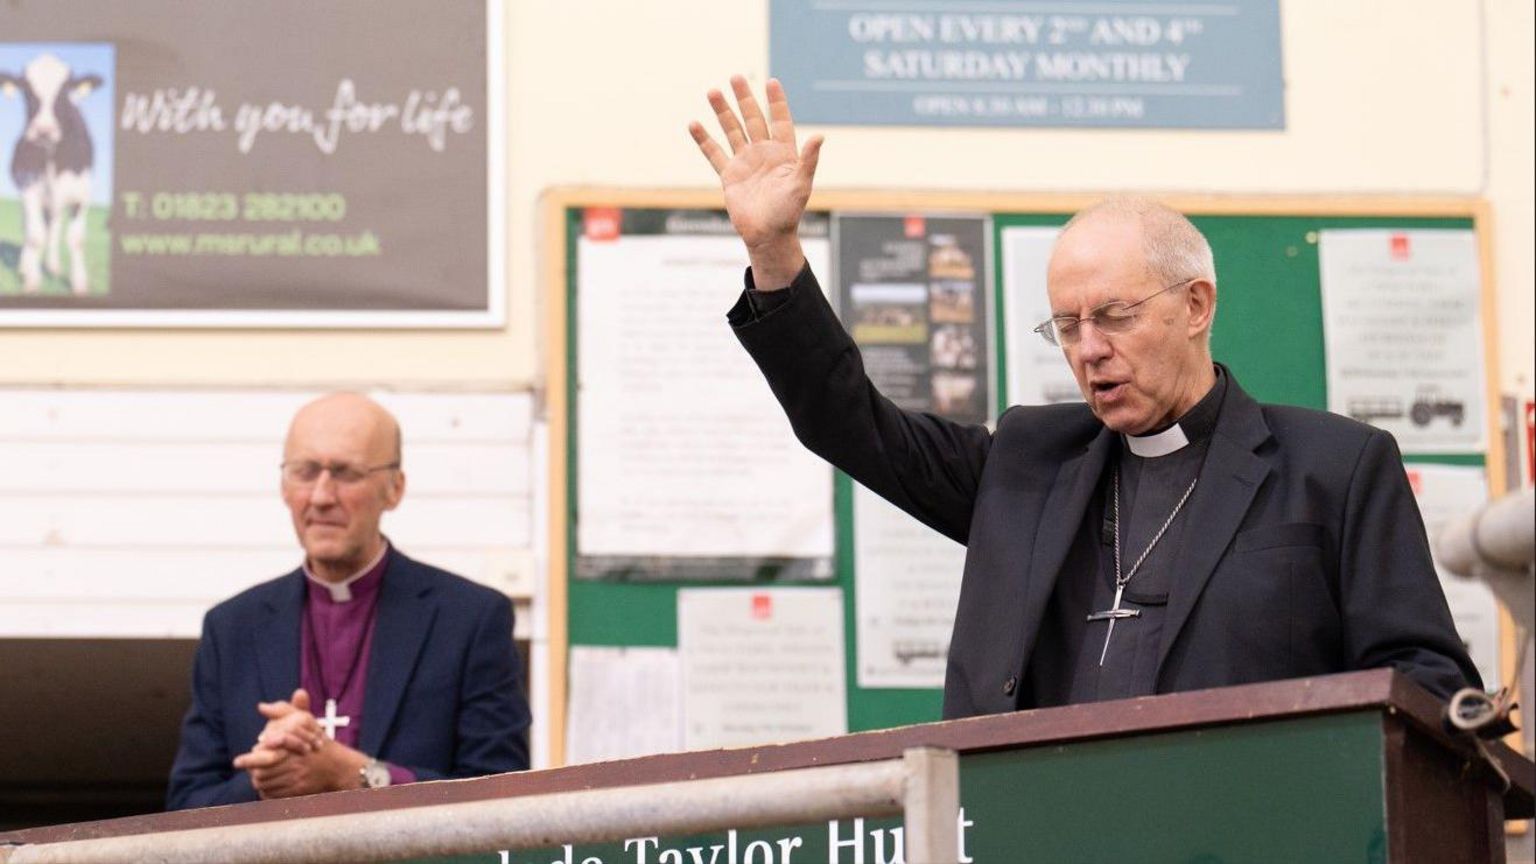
x,y
1112,615
330,721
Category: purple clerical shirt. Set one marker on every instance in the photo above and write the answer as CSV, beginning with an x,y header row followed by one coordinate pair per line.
x,y
336,637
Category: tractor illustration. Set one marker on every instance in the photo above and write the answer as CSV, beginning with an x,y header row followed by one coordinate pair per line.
x,y
1429,403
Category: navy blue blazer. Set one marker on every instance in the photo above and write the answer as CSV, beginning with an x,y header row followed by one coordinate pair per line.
x,y
444,695
1307,553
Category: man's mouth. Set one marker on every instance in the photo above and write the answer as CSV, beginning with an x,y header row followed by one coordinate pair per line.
x,y
1107,390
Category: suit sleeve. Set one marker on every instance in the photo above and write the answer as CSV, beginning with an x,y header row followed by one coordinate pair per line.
x,y
202,775
926,465
1395,612
493,716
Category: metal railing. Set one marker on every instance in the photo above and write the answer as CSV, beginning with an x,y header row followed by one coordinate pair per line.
x,y
922,787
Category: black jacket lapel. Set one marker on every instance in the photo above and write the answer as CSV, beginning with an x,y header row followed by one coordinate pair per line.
x,y
277,639
1230,478
1059,523
404,620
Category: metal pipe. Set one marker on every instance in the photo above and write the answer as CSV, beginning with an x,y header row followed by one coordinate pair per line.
x,y
1496,544
541,821
932,806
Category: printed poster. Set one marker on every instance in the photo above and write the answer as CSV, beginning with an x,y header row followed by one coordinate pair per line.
x,y
761,665
1403,333
907,581
269,164
1038,373
914,294
1445,494
686,465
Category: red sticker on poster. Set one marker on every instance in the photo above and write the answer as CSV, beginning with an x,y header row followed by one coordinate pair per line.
x,y
601,223
914,227
762,607
1400,248
1416,481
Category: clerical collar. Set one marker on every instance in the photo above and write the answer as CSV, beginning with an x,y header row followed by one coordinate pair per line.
x,y
341,592
1197,424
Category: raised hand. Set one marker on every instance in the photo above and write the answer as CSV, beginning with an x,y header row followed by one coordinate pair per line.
x,y
766,179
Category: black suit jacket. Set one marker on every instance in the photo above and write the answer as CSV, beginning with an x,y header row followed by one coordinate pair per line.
x,y
1305,552
444,694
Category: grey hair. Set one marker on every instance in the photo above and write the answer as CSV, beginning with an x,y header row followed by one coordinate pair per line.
x,y
1174,247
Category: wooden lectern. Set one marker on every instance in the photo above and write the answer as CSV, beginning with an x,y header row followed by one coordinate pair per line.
x,y
1343,768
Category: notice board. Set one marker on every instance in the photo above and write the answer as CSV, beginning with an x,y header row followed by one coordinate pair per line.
x,y
1269,331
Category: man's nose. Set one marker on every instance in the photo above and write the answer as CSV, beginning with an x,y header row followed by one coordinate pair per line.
x,y
324,489
1091,344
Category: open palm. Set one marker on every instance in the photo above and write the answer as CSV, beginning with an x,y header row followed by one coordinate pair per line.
x,y
766,180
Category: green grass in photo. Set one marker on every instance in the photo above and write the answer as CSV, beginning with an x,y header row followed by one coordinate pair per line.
x,y
98,254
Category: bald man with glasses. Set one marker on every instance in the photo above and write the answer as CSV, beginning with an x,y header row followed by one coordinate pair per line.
x,y
362,668
1170,534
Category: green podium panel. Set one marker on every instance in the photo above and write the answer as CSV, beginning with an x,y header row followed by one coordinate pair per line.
x,y
1307,790
1354,768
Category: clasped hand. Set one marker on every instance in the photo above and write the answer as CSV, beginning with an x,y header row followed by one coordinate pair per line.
x,y
292,756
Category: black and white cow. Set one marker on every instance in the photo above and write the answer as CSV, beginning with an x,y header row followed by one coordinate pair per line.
x,y
52,168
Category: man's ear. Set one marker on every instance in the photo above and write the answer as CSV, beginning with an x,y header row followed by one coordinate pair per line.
x,y
395,490
1202,305
82,86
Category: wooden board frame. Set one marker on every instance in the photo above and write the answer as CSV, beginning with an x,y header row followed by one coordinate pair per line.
x,y
554,374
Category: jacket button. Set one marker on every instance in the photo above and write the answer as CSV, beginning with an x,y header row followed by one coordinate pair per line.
x,y
1009,685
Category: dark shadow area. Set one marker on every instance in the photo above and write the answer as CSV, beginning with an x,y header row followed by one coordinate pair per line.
x,y
90,726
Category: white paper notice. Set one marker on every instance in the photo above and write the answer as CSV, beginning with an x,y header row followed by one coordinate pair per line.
x,y
1446,493
1404,335
906,584
624,702
761,666
683,451
1038,374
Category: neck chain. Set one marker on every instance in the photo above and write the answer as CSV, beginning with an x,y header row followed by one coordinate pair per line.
x,y
1120,581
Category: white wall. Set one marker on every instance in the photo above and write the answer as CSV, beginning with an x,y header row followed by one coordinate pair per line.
x,y
1380,100
1511,148
127,513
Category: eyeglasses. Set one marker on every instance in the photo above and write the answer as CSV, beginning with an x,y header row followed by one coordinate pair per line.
x,y
308,471
1112,318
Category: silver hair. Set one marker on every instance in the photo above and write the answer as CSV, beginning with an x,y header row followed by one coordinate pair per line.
x,y
1174,247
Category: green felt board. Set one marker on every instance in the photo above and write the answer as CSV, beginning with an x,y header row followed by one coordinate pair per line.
x,y
1269,331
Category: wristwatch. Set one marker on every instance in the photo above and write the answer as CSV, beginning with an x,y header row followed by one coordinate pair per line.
x,y
375,774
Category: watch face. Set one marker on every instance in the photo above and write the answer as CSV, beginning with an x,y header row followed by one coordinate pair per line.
x,y
375,775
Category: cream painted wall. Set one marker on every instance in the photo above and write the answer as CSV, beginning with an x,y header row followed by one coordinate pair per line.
x,y
1418,97
1511,28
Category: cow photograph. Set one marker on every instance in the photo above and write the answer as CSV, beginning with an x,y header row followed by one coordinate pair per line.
x,y
55,168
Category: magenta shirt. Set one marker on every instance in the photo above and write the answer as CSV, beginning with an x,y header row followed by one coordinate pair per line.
x,y
335,640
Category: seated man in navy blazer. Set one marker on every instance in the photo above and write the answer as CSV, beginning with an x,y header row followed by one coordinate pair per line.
x,y
362,668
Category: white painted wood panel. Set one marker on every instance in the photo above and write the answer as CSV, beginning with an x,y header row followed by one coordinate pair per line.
x,y
443,468
130,513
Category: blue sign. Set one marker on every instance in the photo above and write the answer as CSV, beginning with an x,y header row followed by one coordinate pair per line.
x,y
1000,63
